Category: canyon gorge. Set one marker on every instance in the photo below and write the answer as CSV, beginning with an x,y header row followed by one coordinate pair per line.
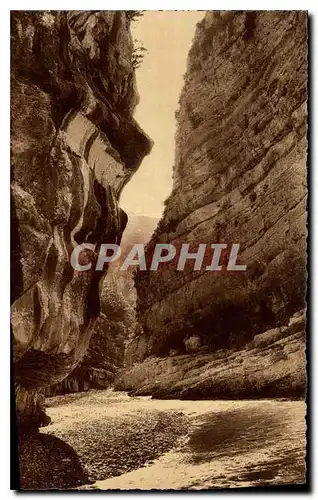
x,y
239,177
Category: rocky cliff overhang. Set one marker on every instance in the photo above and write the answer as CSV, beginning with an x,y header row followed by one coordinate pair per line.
x,y
75,144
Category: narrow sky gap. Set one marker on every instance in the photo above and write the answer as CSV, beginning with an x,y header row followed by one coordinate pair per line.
x,y
167,39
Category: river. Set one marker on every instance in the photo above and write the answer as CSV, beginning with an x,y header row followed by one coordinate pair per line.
x,y
228,443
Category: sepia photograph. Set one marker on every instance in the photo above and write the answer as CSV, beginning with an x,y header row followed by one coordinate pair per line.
x,y
159,211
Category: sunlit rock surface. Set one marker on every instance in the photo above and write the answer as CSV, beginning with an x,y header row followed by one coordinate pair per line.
x,y
74,146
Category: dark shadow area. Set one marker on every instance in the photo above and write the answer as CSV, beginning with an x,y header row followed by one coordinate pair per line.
x,y
237,433
46,462
310,210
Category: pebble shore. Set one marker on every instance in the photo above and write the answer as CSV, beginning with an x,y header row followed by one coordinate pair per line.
x,y
94,436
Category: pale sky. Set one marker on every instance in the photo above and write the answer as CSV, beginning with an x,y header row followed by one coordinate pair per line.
x,y
167,36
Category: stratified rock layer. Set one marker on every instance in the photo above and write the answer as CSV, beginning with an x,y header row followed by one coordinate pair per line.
x,y
74,146
239,177
272,365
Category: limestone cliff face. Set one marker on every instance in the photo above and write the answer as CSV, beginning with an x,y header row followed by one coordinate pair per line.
x,y
74,146
239,177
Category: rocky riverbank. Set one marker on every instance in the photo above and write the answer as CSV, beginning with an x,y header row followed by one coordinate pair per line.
x,y
272,365
94,436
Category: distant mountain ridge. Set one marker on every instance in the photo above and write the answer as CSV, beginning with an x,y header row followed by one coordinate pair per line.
x,y
139,229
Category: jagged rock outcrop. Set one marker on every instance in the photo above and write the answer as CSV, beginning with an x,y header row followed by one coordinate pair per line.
x,y
239,177
74,146
104,357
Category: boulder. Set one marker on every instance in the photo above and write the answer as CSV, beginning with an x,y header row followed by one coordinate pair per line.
x,y
192,344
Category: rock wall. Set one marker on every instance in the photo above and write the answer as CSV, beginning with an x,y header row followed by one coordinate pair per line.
x,y
105,354
104,357
74,146
239,177
116,325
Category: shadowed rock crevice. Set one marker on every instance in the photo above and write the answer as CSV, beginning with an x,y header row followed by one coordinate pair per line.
x,y
48,463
